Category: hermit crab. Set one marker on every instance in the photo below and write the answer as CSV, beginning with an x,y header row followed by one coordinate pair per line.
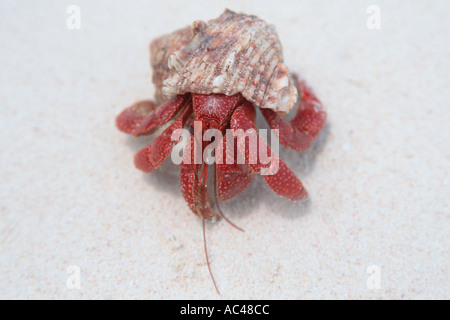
x,y
218,74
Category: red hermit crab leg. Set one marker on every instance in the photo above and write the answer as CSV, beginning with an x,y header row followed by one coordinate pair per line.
x,y
194,192
129,118
283,182
142,119
216,196
153,156
301,131
232,178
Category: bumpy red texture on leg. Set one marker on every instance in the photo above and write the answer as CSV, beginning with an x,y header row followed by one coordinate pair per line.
x,y
129,118
286,184
194,193
154,155
309,120
283,182
143,118
232,179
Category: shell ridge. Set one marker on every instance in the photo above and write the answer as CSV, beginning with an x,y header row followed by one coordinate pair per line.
x,y
263,80
267,88
257,76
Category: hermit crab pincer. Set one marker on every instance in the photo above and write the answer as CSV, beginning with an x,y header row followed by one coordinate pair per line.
x,y
217,74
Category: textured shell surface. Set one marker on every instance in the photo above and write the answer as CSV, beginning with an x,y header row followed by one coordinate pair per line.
x,y
160,51
235,53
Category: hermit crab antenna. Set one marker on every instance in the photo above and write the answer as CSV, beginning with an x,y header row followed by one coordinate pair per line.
x,y
217,203
203,179
204,175
206,255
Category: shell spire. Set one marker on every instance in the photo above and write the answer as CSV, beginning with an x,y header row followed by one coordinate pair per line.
x,y
235,53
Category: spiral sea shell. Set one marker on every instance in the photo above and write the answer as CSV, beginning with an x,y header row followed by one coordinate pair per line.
x,y
235,53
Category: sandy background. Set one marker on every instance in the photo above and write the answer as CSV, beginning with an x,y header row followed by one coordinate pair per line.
x,y
378,176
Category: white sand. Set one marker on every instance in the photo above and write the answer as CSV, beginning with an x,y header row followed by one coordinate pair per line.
x,y
378,176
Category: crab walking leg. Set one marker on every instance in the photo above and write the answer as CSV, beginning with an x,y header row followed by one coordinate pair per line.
x,y
143,118
232,179
194,192
152,156
301,131
283,182
129,118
